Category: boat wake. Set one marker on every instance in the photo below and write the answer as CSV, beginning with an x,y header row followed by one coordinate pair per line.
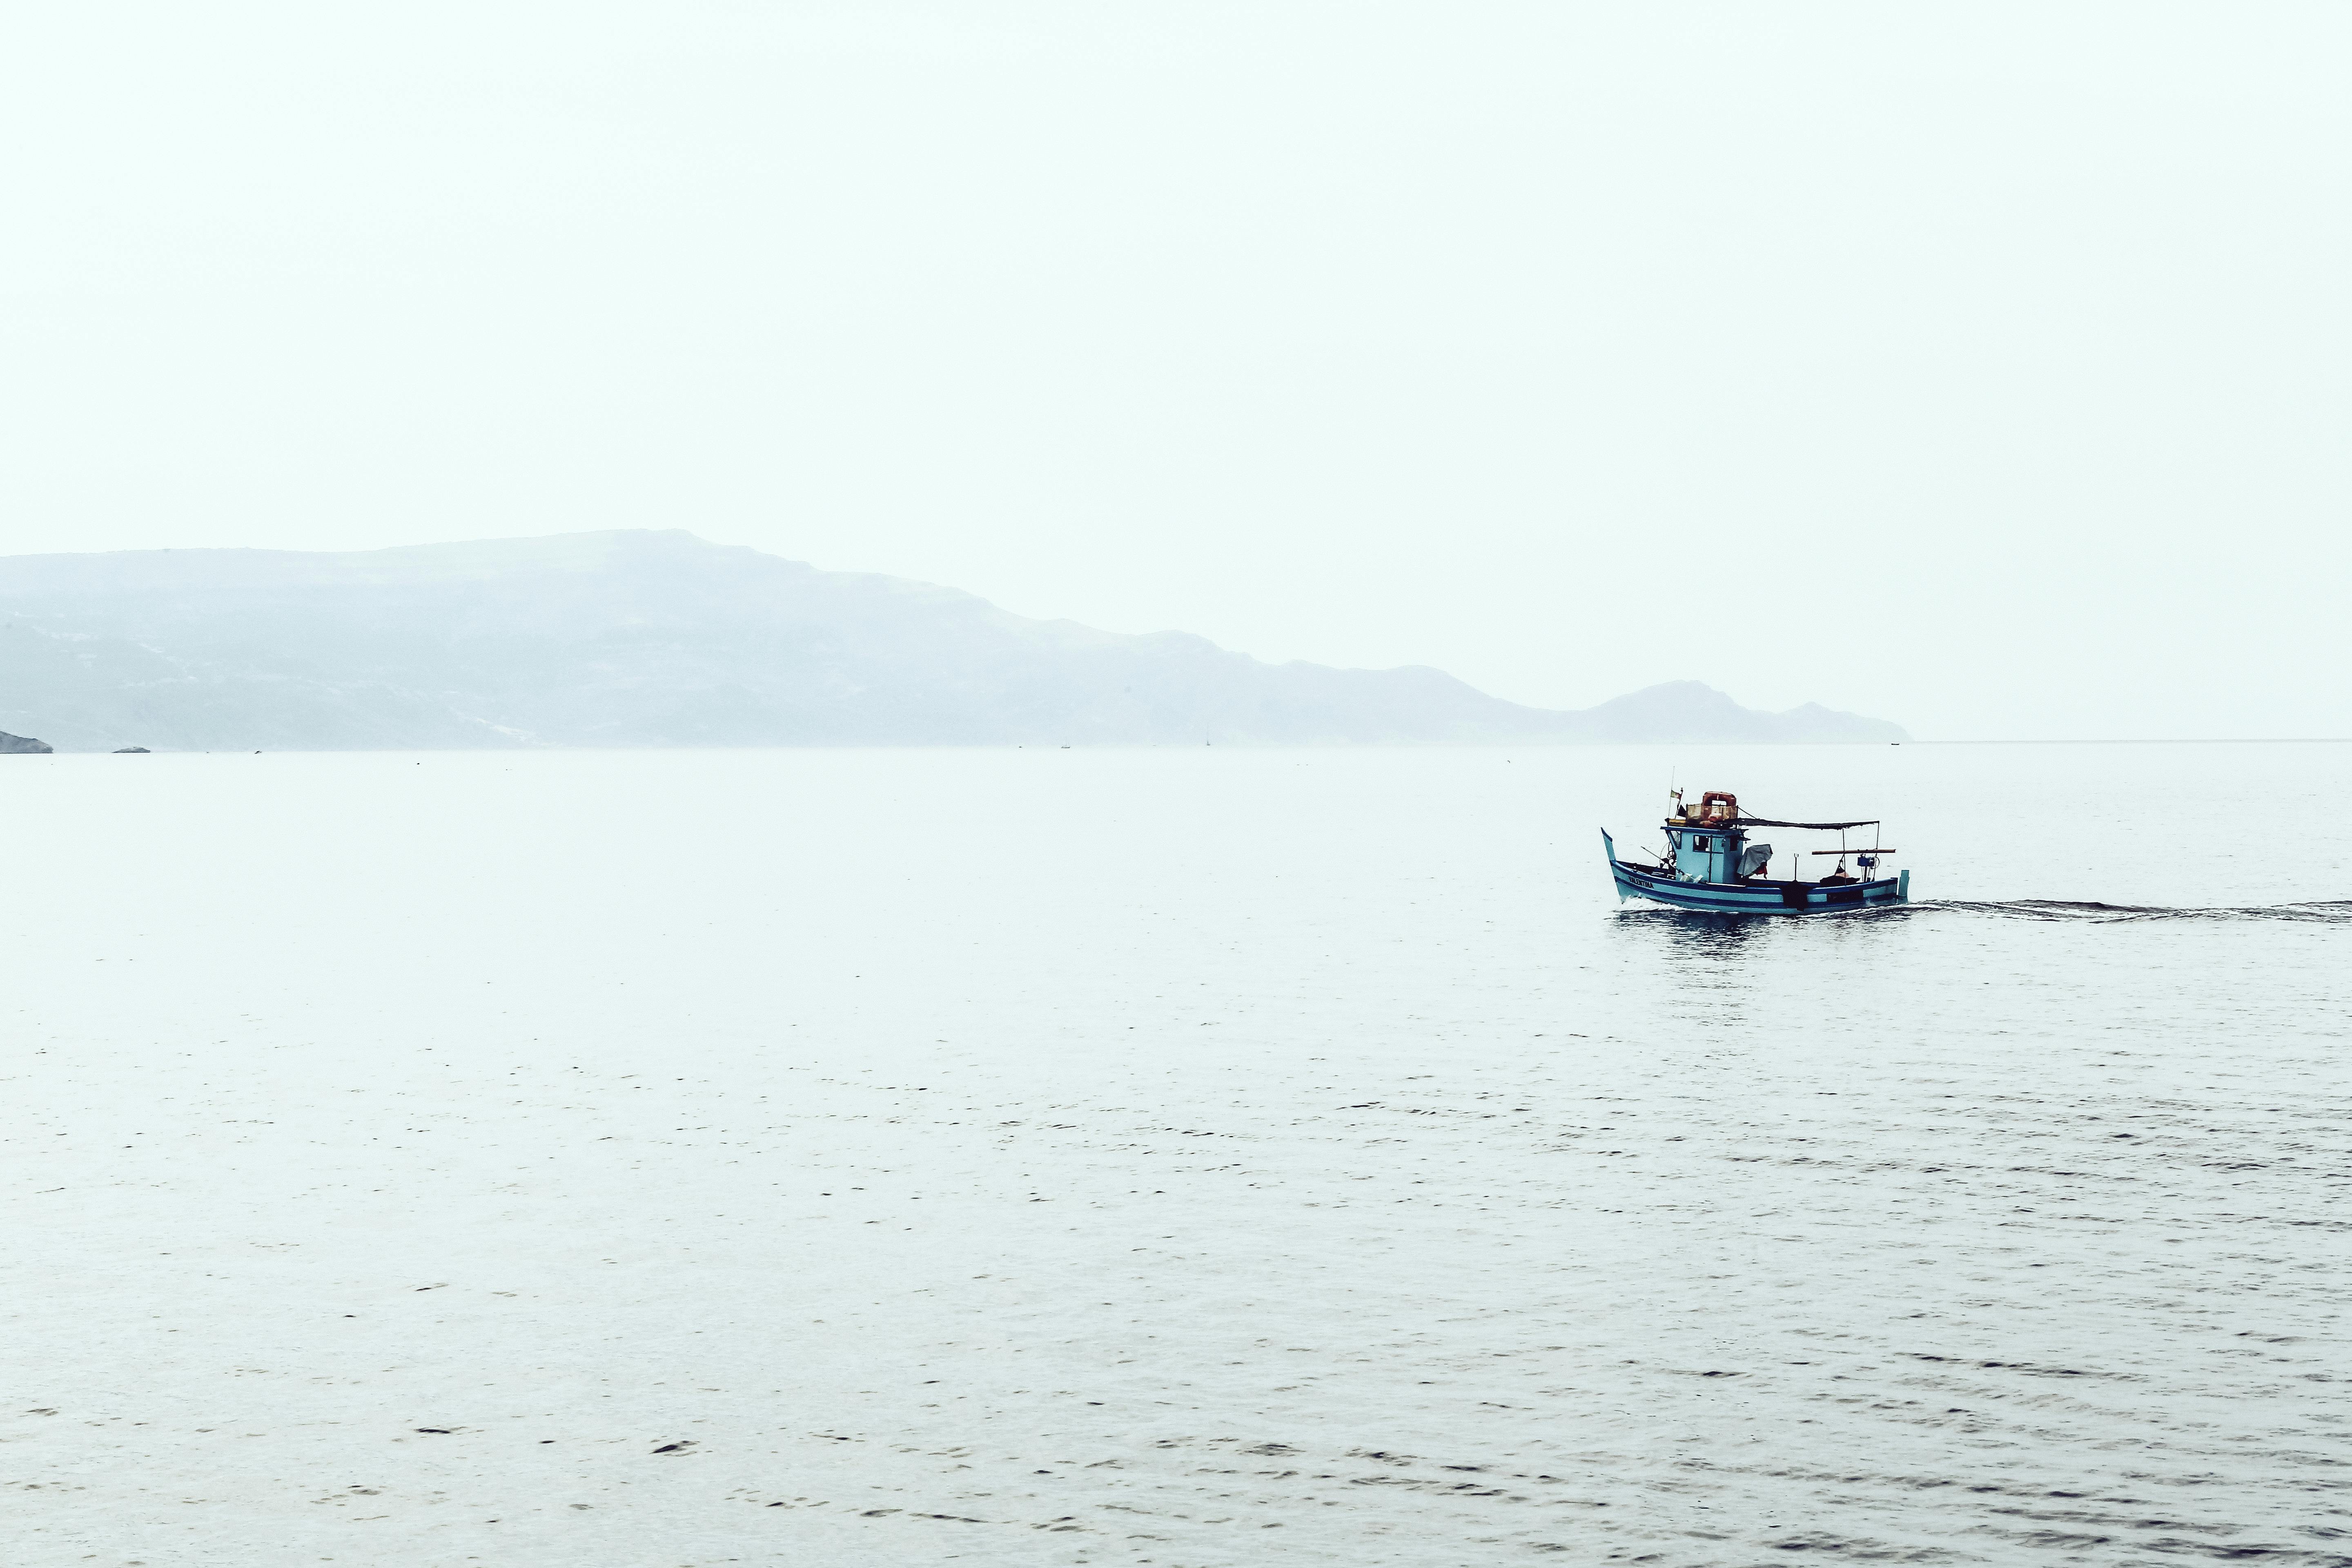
x,y
2334,911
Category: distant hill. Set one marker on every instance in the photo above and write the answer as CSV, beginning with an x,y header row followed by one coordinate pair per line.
x,y
644,639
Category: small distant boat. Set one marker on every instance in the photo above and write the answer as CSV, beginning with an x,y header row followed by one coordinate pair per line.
x,y
1709,864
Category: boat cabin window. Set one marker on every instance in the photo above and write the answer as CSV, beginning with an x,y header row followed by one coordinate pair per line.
x,y
1700,842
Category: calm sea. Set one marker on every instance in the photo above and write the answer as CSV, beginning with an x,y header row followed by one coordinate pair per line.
x,y
1177,1157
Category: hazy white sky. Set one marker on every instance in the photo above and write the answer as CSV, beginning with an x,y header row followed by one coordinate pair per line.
x,y
1985,367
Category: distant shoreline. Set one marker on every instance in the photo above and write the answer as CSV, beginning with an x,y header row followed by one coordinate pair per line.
x,y
1331,748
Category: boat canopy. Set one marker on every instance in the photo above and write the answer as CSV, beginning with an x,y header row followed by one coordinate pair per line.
x,y
1776,822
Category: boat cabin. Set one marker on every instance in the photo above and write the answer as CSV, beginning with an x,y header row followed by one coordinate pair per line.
x,y
1709,845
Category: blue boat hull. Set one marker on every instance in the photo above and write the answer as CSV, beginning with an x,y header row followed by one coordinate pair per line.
x,y
1754,896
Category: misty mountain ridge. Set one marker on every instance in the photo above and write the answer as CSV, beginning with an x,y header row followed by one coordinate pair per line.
x,y
638,637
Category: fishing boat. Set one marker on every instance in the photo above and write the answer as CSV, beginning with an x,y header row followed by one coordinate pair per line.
x,y
1709,864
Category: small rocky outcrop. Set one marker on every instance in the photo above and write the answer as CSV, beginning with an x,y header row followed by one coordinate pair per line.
x,y
129,751
20,745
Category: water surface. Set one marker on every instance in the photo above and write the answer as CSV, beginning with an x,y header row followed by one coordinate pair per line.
x,y
1192,1158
